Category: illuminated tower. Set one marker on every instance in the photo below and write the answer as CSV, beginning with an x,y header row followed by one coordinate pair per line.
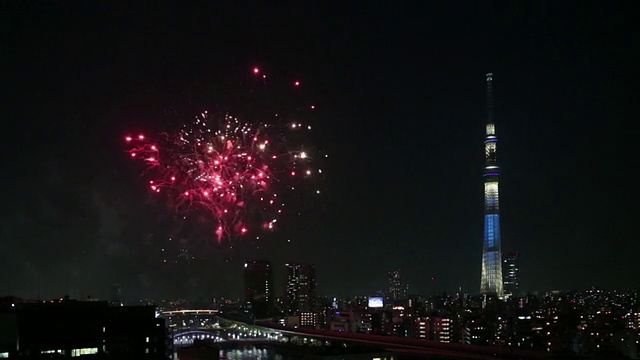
x,y
491,282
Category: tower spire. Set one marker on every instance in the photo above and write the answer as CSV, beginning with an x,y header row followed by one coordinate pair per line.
x,y
489,98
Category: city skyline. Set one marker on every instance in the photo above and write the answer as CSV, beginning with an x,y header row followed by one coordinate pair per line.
x,y
400,112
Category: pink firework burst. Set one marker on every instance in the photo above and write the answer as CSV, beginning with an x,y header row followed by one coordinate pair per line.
x,y
229,168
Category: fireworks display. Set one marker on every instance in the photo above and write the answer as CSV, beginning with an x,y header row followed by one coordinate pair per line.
x,y
233,168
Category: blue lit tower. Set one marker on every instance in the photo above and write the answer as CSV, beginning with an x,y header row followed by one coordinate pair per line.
x,y
491,282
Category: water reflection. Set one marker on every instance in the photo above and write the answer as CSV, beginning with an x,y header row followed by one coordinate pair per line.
x,y
250,354
255,353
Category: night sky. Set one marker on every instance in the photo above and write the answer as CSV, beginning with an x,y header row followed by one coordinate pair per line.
x,y
401,111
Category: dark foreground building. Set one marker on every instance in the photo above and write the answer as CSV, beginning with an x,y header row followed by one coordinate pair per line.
x,y
258,285
91,329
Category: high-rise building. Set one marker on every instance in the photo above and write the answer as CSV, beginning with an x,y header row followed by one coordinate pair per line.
x,y
397,289
491,282
116,295
395,285
258,285
301,288
511,273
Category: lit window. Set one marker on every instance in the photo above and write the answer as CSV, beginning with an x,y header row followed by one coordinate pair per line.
x,y
51,352
83,351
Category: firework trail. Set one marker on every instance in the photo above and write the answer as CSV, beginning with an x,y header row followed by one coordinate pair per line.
x,y
235,169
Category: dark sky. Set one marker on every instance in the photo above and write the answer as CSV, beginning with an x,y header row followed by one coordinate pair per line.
x,y
401,98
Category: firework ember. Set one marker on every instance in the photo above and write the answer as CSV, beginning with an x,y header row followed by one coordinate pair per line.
x,y
234,169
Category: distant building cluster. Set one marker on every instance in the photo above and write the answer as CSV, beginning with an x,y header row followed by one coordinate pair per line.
x,y
299,303
580,323
595,322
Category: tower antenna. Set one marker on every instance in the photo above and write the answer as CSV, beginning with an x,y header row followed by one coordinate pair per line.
x,y
489,98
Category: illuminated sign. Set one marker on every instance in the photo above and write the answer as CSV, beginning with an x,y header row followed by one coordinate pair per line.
x,y
376,302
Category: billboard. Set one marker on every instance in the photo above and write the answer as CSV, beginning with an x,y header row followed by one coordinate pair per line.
x,y
376,301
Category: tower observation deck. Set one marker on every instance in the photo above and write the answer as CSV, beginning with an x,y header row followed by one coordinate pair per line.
x,y
491,282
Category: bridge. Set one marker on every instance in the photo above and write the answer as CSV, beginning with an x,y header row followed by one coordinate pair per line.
x,y
190,312
210,326
418,347
187,326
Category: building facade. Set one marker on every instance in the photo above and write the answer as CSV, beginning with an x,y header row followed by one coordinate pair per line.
x,y
491,282
258,286
395,285
301,288
398,290
64,329
511,273
433,328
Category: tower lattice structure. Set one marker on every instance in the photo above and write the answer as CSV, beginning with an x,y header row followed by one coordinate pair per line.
x,y
491,282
